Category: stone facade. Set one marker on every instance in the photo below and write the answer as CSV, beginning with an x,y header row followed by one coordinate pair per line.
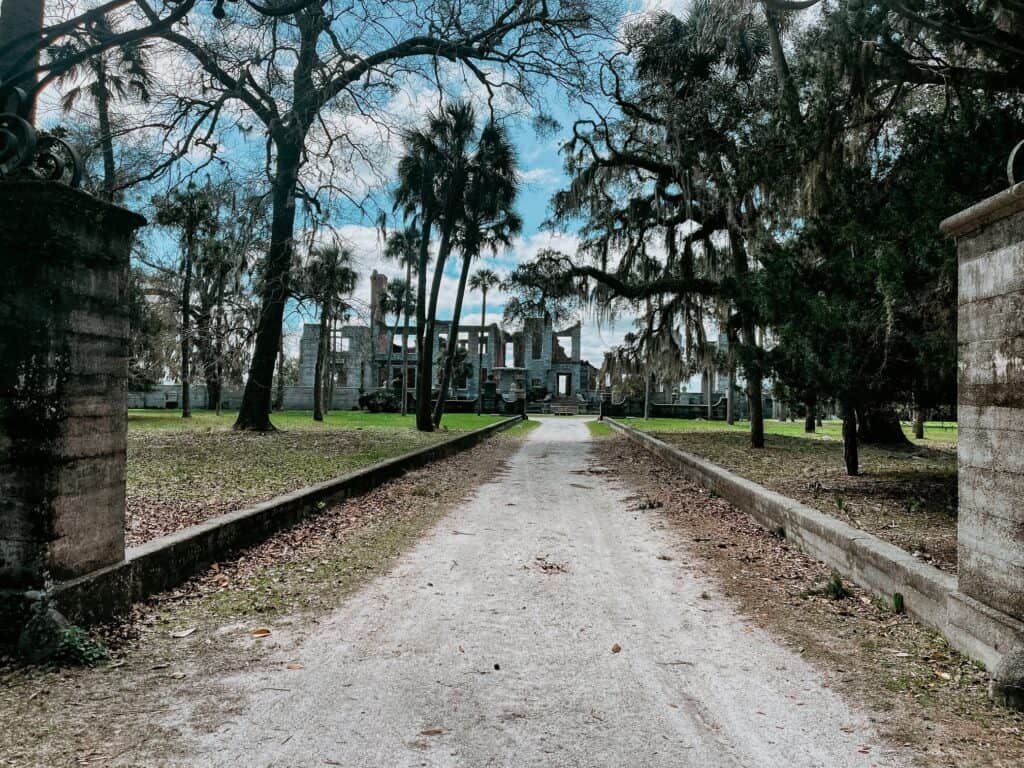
x,y
538,357
990,316
64,343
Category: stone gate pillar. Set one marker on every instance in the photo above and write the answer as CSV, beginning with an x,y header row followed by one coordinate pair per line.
x,y
990,337
63,385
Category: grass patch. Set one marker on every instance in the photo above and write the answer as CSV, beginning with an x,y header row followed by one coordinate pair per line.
x,y
907,497
522,429
322,581
599,429
147,420
181,472
936,434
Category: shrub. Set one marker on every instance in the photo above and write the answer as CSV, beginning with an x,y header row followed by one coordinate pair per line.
x,y
77,649
381,401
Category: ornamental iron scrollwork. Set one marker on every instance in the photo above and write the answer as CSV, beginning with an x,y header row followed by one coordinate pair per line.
x,y
31,154
1011,164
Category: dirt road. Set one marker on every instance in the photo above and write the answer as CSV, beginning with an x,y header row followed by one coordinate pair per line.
x,y
547,622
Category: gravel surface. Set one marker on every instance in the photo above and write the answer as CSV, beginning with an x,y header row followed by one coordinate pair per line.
x,y
549,621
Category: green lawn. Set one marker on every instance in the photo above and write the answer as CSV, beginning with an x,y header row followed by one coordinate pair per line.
x,y
599,429
148,420
184,471
936,433
907,495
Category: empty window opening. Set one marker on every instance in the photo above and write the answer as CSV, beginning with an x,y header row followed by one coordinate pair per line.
x,y
564,387
564,346
510,354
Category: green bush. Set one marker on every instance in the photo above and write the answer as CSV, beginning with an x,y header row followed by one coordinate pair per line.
x,y
77,649
381,401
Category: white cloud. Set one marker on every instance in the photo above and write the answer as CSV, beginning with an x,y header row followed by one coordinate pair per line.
x,y
541,178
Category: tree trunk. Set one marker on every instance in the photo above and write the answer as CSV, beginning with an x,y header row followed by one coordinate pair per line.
x,y
730,396
218,346
391,351
453,343
480,356
106,135
707,385
850,455
405,338
279,397
318,367
920,414
880,425
647,395
254,413
812,407
186,327
748,336
20,18
425,372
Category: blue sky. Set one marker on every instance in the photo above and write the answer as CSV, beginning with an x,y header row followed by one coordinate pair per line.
x,y
542,175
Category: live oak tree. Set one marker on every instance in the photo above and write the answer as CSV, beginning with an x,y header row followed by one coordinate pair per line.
x,y
312,80
662,183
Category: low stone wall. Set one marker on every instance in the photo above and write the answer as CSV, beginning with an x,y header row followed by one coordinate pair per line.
x,y
170,560
929,595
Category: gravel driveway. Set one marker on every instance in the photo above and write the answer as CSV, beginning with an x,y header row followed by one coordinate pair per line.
x,y
547,622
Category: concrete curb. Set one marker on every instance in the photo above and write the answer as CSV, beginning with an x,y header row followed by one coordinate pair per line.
x,y
930,595
170,560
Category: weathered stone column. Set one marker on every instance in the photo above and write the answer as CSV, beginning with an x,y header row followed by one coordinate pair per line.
x,y
990,316
63,386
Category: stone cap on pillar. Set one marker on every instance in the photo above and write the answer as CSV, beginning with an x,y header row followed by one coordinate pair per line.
x,y
988,211
40,196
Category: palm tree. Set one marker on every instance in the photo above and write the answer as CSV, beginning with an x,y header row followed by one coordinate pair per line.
x,y
431,184
485,221
404,247
329,278
482,280
106,77
193,213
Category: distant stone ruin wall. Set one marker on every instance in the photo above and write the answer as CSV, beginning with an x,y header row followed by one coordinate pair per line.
x,y
295,398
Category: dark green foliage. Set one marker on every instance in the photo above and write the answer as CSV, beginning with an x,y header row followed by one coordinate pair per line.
x,y
833,589
380,401
78,649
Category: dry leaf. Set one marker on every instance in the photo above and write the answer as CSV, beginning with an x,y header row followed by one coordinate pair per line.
x,y
616,648
183,633
294,666
261,632
431,732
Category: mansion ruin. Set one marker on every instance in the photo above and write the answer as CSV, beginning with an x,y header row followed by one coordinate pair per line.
x,y
544,361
